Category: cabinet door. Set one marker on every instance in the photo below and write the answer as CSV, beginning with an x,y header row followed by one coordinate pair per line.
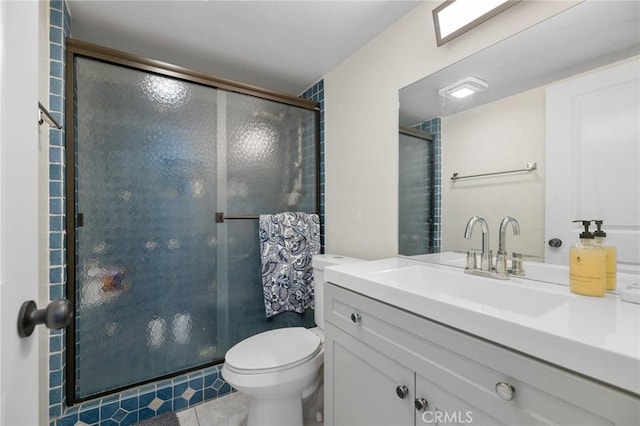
x,y
360,384
446,408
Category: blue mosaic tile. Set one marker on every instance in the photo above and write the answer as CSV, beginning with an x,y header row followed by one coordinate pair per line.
x,y
55,69
119,415
55,103
129,404
210,393
55,379
179,388
167,406
165,393
55,257
108,410
90,416
55,411
180,404
146,413
55,344
56,4
145,399
55,172
196,398
55,276
67,420
196,383
56,17
130,419
55,361
55,85
55,35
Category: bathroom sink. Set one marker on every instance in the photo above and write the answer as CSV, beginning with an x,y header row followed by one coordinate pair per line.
x,y
490,296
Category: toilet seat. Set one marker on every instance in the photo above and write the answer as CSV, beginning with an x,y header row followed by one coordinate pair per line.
x,y
273,351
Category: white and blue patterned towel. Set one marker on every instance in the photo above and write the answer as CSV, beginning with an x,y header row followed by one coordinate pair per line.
x,y
287,243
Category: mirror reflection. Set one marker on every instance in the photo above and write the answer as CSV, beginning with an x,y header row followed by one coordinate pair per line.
x,y
553,137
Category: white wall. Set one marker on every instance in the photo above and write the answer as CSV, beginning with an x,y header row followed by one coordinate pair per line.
x,y
502,135
18,208
361,120
43,206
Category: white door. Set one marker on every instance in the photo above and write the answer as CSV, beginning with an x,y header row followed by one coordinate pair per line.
x,y
18,208
593,161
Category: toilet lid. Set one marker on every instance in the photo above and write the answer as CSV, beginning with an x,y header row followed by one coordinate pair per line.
x,y
274,349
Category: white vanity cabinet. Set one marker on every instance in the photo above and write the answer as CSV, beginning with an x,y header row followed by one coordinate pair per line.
x,y
374,351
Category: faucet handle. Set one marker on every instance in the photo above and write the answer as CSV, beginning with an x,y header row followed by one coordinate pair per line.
x,y
516,264
485,262
501,262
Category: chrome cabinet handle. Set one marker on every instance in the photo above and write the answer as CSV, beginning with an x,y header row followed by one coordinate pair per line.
x,y
402,392
421,404
505,390
355,318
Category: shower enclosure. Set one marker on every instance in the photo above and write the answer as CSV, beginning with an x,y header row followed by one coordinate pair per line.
x,y
154,151
416,193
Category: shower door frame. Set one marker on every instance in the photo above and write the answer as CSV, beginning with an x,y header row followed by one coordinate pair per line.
x,y
77,48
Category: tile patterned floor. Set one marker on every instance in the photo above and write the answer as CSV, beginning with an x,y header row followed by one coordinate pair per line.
x,y
230,410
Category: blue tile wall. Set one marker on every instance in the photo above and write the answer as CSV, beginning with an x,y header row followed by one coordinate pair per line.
x,y
140,403
433,126
316,93
58,30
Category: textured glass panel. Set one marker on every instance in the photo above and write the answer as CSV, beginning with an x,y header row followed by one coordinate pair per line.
x,y
415,196
160,286
271,168
146,255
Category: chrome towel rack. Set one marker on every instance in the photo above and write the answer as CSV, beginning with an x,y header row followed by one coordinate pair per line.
x,y
530,167
46,117
220,217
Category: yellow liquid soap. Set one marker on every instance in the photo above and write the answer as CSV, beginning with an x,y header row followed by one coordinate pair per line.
x,y
587,269
610,255
611,260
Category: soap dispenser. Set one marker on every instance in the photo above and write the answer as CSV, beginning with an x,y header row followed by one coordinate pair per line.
x,y
587,267
610,255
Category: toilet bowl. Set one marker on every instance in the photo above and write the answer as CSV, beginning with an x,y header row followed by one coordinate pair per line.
x,y
278,369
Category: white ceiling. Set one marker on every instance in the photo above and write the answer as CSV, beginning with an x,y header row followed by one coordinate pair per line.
x,y
284,46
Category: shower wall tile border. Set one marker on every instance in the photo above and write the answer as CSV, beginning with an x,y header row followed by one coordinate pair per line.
x,y
433,126
316,93
147,401
59,19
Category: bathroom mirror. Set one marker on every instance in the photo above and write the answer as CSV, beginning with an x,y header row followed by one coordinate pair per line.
x,y
505,128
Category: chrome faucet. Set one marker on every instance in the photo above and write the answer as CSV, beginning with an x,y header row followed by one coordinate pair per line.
x,y
485,262
501,258
502,242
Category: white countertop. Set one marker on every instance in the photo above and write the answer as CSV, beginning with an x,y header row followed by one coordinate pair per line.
x,y
595,336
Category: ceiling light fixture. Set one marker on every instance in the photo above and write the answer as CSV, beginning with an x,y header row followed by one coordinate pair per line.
x,y
455,17
463,88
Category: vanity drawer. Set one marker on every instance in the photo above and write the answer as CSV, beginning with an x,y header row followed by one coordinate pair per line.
x,y
470,368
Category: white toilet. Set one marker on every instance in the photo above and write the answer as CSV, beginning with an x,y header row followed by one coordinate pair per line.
x,y
279,368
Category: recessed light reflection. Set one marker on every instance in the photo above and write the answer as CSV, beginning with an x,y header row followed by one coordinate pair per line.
x,y
165,91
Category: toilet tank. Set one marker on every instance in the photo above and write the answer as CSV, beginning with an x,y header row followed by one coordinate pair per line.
x,y
321,261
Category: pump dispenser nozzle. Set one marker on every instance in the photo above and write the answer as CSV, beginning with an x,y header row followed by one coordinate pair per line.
x,y
599,232
586,224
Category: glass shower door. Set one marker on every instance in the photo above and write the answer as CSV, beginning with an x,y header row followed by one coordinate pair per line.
x,y
160,287
146,250
270,167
